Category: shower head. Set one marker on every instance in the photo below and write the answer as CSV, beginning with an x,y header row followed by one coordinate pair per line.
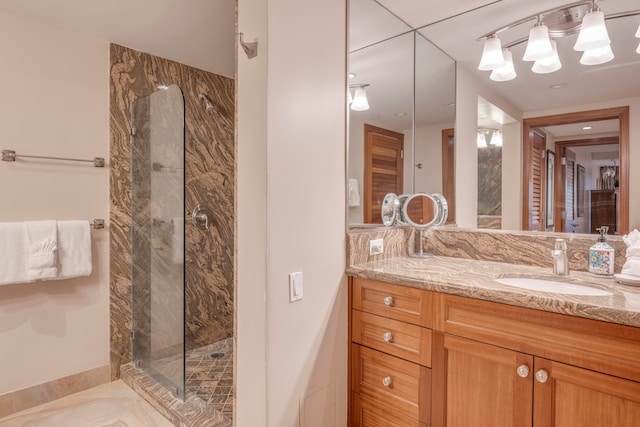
x,y
208,105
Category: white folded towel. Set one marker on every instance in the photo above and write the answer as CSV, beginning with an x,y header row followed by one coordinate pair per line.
x,y
14,252
354,194
177,240
74,249
42,244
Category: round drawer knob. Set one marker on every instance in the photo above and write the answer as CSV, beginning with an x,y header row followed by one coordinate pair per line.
x,y
523,371
542,376
386,381
388,336
388,301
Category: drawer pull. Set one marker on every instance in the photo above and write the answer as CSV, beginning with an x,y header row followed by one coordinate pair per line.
x,y
523,371
388,337
542,376
388,301
387,381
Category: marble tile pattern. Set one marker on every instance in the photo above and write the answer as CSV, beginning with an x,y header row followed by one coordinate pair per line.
x,y
395,243
493,222
210,169
26,398
516,247
108,405
490,181
191,412
475,279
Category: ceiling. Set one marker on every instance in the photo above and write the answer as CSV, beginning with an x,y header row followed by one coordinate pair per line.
x,y
199,33
458,35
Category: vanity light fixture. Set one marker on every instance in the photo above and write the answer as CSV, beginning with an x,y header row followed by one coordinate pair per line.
x,y
583,16
481,140
539,44
507,71
593,33
492,56
360,102
549,64
496,139
597,56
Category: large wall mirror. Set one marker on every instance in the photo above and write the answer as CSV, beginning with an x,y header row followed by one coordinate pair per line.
x,y
432,101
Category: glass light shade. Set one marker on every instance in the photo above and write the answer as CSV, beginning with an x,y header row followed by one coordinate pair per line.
x,y
593,33
492,56
638,32
638,49
539,44
481,142
597,56
550,64
507,71
360,102
349,97
496,139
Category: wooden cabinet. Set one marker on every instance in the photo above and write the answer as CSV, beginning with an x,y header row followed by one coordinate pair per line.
x,y
506,375
390,355
426,359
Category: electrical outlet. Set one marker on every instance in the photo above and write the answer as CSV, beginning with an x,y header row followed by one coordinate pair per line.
x,y
376,247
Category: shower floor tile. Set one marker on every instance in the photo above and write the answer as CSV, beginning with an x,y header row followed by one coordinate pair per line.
x,y
209,375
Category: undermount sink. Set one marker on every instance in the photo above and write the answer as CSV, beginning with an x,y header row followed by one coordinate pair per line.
x,y
544,285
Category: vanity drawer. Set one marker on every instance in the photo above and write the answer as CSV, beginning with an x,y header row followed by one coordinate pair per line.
x,y
386,380
367,413
400,339
396,302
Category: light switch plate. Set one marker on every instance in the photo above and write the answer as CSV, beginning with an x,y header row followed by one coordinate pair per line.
x,y
376,246
295,286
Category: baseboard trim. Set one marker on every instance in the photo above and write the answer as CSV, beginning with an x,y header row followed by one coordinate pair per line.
x,y
19,400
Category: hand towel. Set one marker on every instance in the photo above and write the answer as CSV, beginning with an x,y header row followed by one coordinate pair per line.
x,y
74,249
14,253
354,195
42,243
177,240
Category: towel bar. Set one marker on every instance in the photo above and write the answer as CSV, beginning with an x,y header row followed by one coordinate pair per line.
x,y
10,156
97,224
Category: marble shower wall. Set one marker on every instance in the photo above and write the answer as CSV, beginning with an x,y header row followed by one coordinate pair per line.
x,y
489,187
209,181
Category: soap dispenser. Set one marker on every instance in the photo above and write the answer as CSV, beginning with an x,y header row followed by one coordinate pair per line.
x,y
602,255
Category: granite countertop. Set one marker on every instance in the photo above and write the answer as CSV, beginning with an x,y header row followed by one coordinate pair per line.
x,y
475,279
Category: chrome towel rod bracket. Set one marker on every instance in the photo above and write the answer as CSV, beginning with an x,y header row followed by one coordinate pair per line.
x,y
97,224
10,156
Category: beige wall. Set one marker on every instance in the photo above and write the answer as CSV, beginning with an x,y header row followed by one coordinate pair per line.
x,y
303,112
428,151
466,153
54,102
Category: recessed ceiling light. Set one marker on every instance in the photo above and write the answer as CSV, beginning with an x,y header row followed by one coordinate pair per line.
x,y
162,87
400,114
451,104
587,127
558,86
352,75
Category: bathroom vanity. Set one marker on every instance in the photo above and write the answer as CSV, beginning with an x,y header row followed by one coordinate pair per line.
x,y
438,342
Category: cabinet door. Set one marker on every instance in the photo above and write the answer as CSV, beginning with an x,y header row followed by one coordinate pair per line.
x,y
567,396
480,385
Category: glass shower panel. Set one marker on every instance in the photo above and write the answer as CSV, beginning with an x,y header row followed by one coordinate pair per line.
x,y
157,236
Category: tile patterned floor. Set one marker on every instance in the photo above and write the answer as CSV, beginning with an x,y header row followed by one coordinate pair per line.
x,y
108,405
209,375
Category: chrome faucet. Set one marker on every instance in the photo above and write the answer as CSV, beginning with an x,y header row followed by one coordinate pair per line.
x,y
560,260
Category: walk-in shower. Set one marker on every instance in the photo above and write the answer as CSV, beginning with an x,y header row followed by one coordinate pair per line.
x,y
181,327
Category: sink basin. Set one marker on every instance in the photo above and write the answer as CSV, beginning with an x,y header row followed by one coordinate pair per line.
x,y
553,286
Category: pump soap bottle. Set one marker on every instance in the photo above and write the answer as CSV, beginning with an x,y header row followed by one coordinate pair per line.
x,y
602,255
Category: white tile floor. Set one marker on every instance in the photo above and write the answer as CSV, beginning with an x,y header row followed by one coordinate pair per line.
x,y
109,405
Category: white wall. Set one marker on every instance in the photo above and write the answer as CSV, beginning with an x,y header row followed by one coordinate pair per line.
x,y
305,159
634,145
428,143
55,101
466,152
